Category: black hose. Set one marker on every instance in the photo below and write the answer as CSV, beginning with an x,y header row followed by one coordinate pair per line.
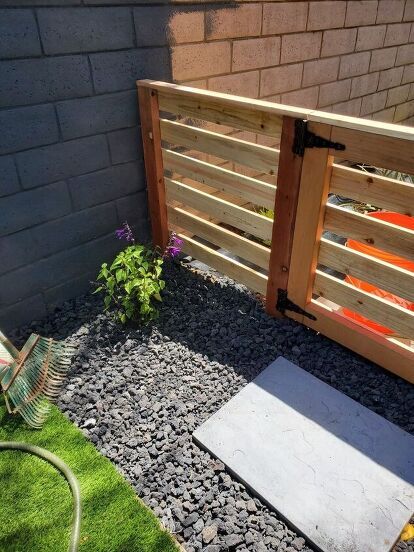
x,y
67,473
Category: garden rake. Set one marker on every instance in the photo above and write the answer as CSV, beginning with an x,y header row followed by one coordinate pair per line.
x,y
32,377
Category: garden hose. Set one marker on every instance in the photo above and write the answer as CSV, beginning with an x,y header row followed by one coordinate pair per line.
x,y
67,473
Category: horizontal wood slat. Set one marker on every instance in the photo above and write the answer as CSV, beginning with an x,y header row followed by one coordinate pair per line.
x,y
384,152
252,155
213,110
233,269
400,320
238,245
391,278
244,187
371,231
226,212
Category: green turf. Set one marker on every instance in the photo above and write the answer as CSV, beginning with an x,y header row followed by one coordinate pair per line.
x,y
36,503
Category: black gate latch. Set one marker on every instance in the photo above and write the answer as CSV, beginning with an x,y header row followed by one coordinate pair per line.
x,y
284,303
304,138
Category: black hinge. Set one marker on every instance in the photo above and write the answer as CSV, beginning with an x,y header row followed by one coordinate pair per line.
x,y
284,303
304,138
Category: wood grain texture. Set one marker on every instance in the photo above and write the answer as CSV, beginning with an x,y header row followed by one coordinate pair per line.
x,y
261,158
238,185
373,189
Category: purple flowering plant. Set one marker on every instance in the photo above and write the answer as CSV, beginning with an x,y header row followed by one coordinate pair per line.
x,y
133,283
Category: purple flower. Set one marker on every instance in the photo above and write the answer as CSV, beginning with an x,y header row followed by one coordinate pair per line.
x,y
125,233
174,246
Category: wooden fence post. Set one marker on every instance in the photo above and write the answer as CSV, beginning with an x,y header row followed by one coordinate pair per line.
x,y
287,193
151,138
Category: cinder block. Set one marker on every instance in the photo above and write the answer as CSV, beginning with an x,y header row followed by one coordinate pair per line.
x,y
114,71
351,108
354,64
133,208
185,26
280,79
411,92
366,84
298,47
307,97
334,92
408,75
385,115
390,78
361,12
102,186
27,127
125,145
27,246
9,181
62,160
24,312
55,296
390,11
382,59
151,24
409,11
397,34
236,21
326,15
18,34
398,95
339,41
405,54
370,38
373,102
241,84
284,17
72,30
404,111
56,78
25,209
86,116
320,71
254,53
193,61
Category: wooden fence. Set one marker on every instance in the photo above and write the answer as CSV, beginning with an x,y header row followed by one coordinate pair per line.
x,y
216,164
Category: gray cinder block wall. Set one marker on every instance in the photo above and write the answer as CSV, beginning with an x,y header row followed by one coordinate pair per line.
x,y
71,167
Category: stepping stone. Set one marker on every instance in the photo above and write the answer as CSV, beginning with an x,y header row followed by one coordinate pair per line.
x,y
339,473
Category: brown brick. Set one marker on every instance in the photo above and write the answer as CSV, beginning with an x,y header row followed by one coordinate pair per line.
x,y
362,12
390,78
370,37
186,27
297,47
383,59
306,97
256,52
319,71
241,84
397,34
409,11
411,92
390,11
408,75
373,102
337,42
354,64
193,61
326,15
404,111
351,108
238,21
398,95
405,54
284,17
280,79
334,92
366,84
385,115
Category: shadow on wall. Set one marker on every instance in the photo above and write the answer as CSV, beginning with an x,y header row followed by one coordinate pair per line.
x,y
71,163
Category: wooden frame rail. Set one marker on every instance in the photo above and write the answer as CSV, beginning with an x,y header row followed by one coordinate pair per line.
x,y
210,183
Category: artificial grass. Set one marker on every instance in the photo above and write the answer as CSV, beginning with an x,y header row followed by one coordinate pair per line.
x,y
36,502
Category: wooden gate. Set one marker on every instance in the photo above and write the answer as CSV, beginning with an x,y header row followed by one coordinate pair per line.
x,y
216,164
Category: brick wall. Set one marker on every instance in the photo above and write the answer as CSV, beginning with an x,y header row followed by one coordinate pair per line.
x,y
351,57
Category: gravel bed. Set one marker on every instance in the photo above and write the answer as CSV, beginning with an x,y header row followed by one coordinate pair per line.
x,y
139,393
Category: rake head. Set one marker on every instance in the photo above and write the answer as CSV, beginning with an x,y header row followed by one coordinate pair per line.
x,y
34,377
